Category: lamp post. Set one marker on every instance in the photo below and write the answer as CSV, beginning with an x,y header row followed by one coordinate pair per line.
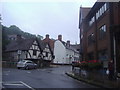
x,y
19,53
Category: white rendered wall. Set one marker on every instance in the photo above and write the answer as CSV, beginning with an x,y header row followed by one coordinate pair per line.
x,y
59,52
69,53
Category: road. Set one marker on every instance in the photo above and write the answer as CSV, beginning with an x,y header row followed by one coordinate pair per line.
x,y
54,77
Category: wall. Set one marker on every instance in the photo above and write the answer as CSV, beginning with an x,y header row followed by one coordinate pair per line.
x,y
69,56
59,52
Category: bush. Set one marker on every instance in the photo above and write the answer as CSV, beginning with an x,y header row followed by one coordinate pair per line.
x,y
92,64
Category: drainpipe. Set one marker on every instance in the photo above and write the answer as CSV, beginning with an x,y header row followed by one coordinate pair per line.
x,y
112,37
114,48
95,42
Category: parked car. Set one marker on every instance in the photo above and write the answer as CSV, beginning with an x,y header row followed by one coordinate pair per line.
x,y
26,64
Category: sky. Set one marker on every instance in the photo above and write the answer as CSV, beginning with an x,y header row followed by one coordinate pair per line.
x,y
43,17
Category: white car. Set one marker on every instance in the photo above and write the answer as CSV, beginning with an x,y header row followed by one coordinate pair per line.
x,y
26,64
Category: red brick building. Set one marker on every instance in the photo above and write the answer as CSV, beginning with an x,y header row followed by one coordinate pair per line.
x,y
50,41
99,33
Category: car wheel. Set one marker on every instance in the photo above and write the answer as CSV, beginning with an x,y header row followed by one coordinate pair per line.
x,y
18,67
35,67
26,67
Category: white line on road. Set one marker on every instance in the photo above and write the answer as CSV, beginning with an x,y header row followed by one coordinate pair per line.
x,y
6,74
27,85
28,72
15,84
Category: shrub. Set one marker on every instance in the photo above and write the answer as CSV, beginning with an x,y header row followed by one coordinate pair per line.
x,y
92,64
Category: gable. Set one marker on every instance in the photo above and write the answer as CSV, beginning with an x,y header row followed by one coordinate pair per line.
x,y
34,51
47,49
59,44
35,46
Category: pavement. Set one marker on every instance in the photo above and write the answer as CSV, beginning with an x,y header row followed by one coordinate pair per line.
x,y
54,77
106,84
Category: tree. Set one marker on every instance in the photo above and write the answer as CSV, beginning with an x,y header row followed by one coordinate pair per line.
x,y
40,37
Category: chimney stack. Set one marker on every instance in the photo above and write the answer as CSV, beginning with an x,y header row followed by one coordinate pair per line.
x,y
68,43
60,37
19,37
47,36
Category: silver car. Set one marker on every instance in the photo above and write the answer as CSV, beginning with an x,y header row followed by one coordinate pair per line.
x,y
26,64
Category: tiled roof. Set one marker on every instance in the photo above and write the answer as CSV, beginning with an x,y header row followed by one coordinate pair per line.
x,y
71,47
23,44
84,11
51,42
76,46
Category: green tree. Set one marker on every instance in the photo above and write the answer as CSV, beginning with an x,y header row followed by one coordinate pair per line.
x,y
40,37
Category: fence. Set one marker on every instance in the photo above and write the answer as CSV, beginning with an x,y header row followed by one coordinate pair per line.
x,y
8,64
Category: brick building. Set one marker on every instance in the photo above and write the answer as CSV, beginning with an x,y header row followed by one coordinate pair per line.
x,y
50,41
99,33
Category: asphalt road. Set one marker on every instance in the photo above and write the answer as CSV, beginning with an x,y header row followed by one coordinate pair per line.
x,y
54,77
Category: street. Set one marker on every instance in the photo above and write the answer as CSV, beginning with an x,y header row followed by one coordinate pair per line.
x,y
54,77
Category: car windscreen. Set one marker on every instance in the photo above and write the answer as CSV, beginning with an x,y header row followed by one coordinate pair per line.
x,y
22,61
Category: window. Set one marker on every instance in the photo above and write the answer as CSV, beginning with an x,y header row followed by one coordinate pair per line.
x,y
91,39
105,6
102,31
101,10
92,20
97,15
34,52
46,54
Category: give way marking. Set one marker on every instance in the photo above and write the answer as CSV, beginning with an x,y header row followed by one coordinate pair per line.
x,y
13,84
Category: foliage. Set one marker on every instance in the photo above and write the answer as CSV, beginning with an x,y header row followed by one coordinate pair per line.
x,y
89,65
14,30
75,63
83,65
5,41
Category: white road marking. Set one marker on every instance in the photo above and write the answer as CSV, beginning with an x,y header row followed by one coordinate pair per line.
x,y
38,69
28,72
27,85
43,70
11,82
7,71
14,84
6,74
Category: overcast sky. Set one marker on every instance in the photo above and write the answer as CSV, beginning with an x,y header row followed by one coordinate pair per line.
x,y
51,17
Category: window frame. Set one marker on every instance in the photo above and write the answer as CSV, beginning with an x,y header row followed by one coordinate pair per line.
x,y
102,32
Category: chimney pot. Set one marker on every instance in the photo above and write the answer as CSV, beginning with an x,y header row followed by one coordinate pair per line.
x,y
19,37
68,43
60,37
47,35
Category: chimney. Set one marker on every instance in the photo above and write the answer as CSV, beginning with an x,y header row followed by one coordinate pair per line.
x,y
19,37
47,38
60,37
68,43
